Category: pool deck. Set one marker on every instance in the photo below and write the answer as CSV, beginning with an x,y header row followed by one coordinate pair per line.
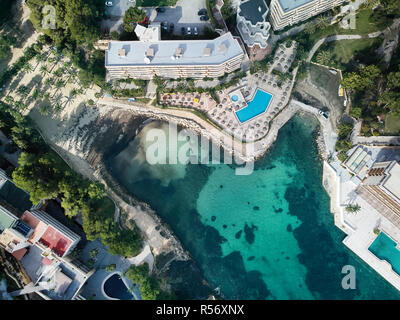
x,y
359,227
93,289
224,113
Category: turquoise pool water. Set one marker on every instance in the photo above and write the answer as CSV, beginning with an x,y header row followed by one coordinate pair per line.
x,y
235,97
385,249
268,235
255,107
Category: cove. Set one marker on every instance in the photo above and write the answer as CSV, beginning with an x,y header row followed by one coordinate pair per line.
x,y
268,235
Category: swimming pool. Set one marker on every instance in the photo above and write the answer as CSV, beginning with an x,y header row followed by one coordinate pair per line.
x,y
255,107
385,249
115,288
235,97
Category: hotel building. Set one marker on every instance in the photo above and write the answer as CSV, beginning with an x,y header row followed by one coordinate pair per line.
x,y
252,22
288,12
381,189
151,57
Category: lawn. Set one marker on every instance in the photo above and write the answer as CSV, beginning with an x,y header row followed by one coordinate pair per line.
x,y
392,125
344,51
155,3
363,27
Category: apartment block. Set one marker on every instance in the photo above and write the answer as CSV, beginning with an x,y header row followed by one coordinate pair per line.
x,y
173,58
288,12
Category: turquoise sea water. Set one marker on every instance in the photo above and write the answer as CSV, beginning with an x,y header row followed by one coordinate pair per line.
x,y
385,248
255,107
268,235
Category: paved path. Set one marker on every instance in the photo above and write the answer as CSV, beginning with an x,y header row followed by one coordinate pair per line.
x,y
30,288
144,256
356,138
350,37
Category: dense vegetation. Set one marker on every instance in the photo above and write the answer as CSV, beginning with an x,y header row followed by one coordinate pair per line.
x,y
133,16
77,28
375,93
76,21
148,285
5,46
43,174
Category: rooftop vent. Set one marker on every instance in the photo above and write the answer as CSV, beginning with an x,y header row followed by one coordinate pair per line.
x,y
178,52
121,53
207,52
150,52
222,48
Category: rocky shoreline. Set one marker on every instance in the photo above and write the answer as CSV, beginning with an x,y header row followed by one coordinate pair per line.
x,y
155,231
107,130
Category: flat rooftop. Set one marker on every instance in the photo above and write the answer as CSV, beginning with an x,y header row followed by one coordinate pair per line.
x,y
393,182
288,5
6,219
253,10
165,52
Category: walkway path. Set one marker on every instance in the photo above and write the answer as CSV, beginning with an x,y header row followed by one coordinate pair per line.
x,y
350,37
144,256
356,138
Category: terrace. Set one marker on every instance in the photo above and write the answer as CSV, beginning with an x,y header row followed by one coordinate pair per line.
x,y
224,112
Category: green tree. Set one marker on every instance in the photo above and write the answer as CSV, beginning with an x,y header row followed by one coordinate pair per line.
x,y
133,16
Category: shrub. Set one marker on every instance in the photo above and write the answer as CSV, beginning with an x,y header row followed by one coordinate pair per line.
x,y
111,267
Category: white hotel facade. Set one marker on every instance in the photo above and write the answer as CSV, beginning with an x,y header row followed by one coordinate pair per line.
x,y
284,13
151,57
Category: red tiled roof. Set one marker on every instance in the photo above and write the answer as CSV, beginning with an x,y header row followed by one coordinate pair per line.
x,y
55,240
37,226
19,253
46,261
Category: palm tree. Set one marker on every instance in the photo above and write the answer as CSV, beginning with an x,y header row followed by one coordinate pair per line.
x,y
9,99
324,57
73,93
59,84
27,68
43,70
19,105
35,94
57,107
322,22
310,28
40,58
353,208
48,81
45,109
23,90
